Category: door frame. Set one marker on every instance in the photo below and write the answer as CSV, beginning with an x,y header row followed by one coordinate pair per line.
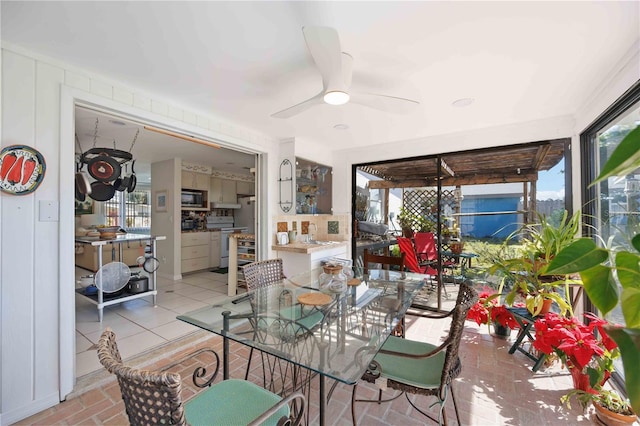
x,y
70,98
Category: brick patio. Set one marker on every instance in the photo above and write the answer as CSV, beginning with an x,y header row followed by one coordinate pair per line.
x,y
494,388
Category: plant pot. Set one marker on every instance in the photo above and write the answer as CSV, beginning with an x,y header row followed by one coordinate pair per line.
x,y
610,418
546,306
407,232
500,330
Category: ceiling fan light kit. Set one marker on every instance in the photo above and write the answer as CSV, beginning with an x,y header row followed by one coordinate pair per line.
x,y
335,67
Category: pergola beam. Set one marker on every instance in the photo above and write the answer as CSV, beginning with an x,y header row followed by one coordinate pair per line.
x,y
455,181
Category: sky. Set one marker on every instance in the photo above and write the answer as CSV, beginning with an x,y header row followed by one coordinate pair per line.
x,y
551,183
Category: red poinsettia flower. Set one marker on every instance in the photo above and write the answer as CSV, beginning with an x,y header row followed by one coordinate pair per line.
x,y
585,349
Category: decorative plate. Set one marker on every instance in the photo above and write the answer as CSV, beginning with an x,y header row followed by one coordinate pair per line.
x,y
21,169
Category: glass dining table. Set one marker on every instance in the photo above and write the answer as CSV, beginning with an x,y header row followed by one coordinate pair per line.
x,y
333,333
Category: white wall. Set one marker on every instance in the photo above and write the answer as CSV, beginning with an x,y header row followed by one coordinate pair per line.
x,y
166,176
37,300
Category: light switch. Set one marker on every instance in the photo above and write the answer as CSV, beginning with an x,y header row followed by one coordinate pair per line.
x,y
48,211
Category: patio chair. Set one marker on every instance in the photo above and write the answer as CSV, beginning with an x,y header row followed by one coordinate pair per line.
x,y
413,367
412,263
152,398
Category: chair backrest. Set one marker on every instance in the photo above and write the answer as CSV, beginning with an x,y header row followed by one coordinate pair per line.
x,y
426,246
263,273
150,398
369,257
467,297
411,259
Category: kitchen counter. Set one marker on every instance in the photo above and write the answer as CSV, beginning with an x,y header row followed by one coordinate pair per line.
x,y
306,248
242,236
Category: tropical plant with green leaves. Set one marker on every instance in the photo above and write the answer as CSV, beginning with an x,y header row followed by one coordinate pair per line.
x,y
525,273
601,269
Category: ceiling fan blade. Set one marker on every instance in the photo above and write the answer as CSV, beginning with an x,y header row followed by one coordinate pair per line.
x,y
384,102
324,45
301,107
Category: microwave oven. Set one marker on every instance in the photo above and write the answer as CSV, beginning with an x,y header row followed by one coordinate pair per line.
x,y
193,199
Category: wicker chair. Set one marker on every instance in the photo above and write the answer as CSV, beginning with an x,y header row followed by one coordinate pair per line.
x,y
262,273
153,398
421,368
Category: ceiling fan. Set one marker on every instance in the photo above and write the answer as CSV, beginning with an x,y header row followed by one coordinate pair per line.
x,y
336,68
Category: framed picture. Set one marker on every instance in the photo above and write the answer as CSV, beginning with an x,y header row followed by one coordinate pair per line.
x,y
84,207
161,201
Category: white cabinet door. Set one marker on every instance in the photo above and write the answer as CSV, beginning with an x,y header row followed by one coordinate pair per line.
x,y
194,180
215,250
245,188
215,192
229,194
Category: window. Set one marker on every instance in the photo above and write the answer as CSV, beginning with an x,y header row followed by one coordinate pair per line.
x,y
612,208
130,211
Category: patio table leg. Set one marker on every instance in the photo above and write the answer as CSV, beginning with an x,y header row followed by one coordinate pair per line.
x,y
525,321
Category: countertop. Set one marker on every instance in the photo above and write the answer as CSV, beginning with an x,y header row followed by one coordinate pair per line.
x,y
305,248
191,231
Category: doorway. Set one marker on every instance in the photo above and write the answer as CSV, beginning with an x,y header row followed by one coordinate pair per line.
x,y
140,326
465,199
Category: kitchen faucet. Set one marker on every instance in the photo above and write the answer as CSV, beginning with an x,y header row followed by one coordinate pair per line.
x,y
311,233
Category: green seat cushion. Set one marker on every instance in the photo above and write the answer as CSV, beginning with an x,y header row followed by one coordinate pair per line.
x,y
308,319
232,402
419,372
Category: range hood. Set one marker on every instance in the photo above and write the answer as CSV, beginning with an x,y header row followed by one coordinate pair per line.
x,y
225,206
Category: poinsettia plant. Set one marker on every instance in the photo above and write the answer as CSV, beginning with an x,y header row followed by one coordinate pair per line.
x,y
585,349
487,310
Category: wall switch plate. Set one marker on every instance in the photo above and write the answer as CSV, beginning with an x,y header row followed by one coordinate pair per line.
x,y
48,211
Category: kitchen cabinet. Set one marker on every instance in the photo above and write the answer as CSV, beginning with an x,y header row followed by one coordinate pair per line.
x,y
101,299
215,239
298,258
195,251
223,191
245,188
313,187
195,180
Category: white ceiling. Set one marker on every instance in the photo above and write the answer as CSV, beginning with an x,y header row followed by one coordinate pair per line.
x,y
149,147
243,61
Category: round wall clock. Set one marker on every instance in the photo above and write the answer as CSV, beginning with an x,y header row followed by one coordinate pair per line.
x,y
21,169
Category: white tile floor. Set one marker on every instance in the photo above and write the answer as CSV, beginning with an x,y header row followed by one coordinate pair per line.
x,y
138,324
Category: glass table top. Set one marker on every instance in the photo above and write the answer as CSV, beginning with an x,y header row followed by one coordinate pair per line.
x,y
335,333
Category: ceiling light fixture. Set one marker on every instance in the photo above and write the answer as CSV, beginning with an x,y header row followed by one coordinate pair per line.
x,y
181,136
464,102
337,97
341,126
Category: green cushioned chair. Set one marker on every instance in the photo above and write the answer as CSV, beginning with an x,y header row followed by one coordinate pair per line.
x,y
153,398
421,368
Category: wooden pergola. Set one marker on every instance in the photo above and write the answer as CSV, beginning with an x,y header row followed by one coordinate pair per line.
x,y
514,163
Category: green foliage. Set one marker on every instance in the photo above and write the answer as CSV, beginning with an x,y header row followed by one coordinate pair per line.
x,y
610,400
526,270
598,268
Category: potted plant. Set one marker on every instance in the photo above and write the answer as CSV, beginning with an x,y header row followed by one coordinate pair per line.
x,y
610,408
601,270
586,350
525,272
487,310
407,222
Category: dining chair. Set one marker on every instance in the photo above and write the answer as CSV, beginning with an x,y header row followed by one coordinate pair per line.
x,y
262,273
414,367
152,398
294,321
385,261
